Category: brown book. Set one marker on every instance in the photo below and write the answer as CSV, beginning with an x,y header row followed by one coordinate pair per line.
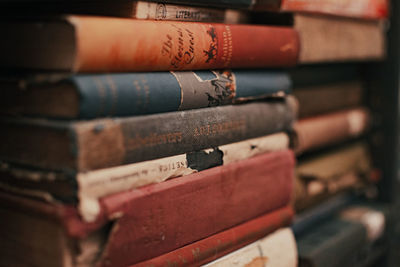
x,y
329,39
319,131
325,175
316,100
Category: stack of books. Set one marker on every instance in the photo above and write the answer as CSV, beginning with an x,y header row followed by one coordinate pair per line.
x,y
165,134
179,166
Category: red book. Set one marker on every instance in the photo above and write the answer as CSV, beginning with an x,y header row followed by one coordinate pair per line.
x,y
101,44
169,215
218,245
370,9
159,218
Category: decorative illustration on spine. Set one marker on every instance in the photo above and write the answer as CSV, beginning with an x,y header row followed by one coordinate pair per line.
x,y
139,45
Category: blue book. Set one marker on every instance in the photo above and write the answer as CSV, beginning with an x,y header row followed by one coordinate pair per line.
x,y
129,94
320,213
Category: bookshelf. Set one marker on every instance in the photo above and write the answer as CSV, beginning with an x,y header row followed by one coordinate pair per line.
x,y
382,81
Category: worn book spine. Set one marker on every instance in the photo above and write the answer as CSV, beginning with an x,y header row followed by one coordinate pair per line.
x,y
320,99
214,3
128,9
324,130
95,144
93,185
369,9
275,250
166,214
86,188
162,11
335,239
220,244
324,175
129,94
140,45
335,39
306,220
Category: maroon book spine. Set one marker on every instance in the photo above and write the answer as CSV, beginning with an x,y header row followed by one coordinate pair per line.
x,y
218,245
160,218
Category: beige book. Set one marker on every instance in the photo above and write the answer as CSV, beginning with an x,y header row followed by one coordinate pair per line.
x,y
330,38
276,250
162,11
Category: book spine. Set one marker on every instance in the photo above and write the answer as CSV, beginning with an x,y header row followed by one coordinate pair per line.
x,y
336,238
326,39
316,100
369,9
148,93
165,214
128,140
123,141
276,250
215,246
214,3
323,130
162,11
93,185
111,44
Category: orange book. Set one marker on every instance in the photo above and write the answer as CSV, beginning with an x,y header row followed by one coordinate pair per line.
x,y
100,44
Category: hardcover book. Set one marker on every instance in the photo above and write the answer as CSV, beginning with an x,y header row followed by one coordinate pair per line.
x,y
335,39
128,94
128,9
368,9
102,143
169,215
336,239
322,176
322,99
275,250
87,188
319,131
215,246
352,237
103,44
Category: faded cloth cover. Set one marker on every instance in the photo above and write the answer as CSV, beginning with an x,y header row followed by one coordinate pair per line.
x,y
102,143
129,94
217,245
335,39
106,44
319,99
331,243
175,213
328,174
320,131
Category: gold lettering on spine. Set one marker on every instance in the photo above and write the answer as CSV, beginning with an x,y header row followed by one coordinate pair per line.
x,y
114,94
153,139
227,48
219,128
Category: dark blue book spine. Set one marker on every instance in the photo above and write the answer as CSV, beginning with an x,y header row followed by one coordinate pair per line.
x,y
156,92
306,220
